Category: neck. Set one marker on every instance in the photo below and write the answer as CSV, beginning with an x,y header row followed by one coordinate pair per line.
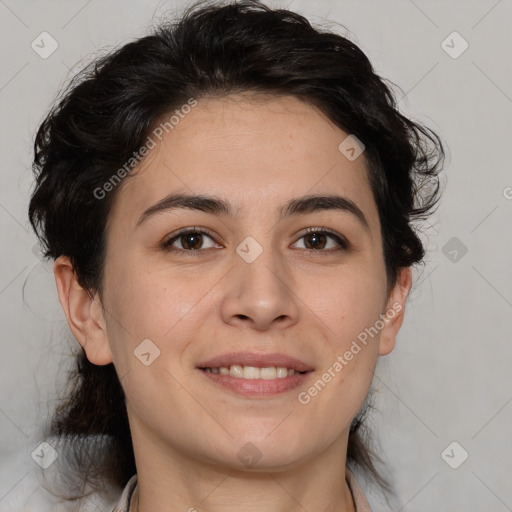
x,y
347,506
171,481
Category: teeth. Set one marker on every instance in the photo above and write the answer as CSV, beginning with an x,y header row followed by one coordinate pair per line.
x,y
236,371
252,372
268,373
249,372
281,372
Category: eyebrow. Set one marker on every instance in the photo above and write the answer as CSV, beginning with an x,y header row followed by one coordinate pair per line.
x,y
217,206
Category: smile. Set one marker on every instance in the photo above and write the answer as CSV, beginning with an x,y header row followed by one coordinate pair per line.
x,y
253,372
253,382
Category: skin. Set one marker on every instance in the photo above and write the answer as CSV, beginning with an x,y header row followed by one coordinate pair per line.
x,y
257,153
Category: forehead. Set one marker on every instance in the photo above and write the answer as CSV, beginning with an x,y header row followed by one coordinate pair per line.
x,y
253,150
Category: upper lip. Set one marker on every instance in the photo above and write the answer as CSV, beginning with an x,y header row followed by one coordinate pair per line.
x,y
259,360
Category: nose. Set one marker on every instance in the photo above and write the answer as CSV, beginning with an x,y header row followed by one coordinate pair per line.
x,y
260,294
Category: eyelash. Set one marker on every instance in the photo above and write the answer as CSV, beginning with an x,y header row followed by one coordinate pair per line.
x,y
342,241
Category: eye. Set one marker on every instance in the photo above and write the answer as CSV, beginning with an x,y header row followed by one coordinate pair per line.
x,y
316,239
190,239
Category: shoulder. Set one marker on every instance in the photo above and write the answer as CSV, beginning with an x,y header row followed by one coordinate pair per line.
x,y
123,504
360,500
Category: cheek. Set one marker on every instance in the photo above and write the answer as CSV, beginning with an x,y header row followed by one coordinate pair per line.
x,y
347,303
157,306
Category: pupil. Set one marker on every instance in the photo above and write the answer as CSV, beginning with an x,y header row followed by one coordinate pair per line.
x,y
191,236
316,236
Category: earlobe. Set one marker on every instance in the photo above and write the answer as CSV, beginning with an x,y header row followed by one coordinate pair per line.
x,y
83,312
395,311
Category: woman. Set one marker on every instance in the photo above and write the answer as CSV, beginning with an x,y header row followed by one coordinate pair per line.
x,y
229,202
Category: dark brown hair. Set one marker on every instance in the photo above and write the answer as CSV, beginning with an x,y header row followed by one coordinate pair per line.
x,y
105,115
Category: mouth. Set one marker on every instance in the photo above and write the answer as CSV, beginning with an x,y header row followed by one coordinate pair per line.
x,y
256,375
255,360
254,372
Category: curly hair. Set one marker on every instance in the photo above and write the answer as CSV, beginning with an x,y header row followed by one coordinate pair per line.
x,y
107,111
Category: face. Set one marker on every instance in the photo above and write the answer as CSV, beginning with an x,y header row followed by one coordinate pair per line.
x,y
251,279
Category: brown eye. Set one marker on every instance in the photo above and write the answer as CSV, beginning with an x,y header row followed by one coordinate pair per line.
x,y
190,239
317,240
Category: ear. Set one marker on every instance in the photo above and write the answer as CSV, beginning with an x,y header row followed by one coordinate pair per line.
x,y
393,315
83,312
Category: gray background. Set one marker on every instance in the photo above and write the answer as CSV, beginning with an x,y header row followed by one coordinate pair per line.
x,y
449,377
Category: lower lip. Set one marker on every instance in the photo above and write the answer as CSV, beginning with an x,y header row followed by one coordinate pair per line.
x,y
258,387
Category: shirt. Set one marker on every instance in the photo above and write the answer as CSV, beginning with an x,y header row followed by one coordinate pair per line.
x,y
361,503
